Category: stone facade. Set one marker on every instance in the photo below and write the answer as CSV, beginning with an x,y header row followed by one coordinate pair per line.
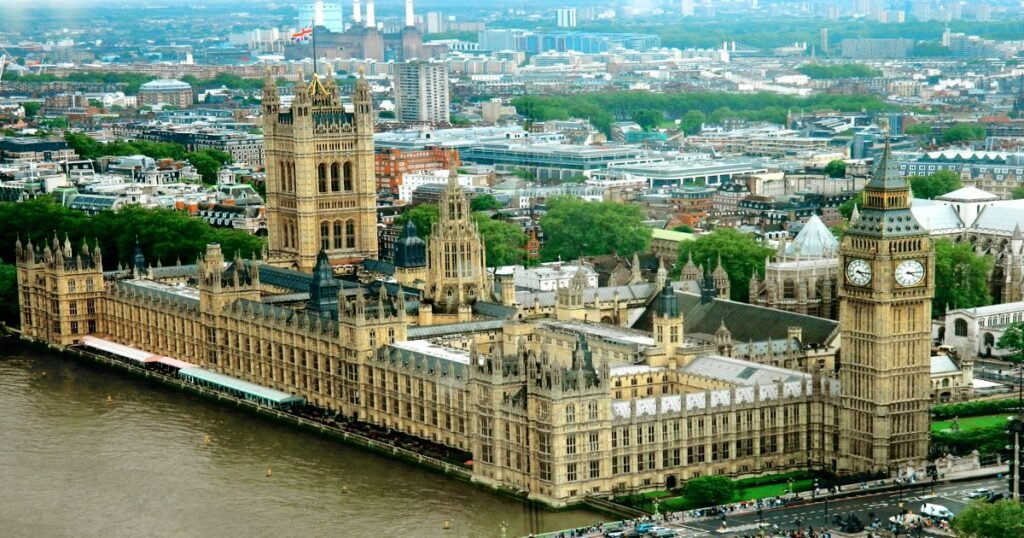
x,y
803,277
321,187
885,306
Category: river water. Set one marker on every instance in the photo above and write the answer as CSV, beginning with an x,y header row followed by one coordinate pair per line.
x,y
89,452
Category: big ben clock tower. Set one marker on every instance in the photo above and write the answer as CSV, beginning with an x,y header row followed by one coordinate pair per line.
x,y
885,291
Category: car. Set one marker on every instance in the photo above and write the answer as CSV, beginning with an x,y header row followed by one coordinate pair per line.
x,y
662,532
993,497
936,511
979,493
644,528
617,533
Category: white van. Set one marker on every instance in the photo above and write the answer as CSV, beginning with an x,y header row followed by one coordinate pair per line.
x,y
936,510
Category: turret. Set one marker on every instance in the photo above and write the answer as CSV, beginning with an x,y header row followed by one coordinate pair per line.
x,y
635,276
323,292
362,101
721,280
271,100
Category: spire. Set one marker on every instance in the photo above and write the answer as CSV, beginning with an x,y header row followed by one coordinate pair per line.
x,y
1017,236
855,214
668,303
635,277
887,173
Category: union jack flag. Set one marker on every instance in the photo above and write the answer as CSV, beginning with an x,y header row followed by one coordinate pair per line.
x,y
303,35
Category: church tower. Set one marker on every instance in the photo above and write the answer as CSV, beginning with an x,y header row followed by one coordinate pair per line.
x,y
457,274
886,289
321,190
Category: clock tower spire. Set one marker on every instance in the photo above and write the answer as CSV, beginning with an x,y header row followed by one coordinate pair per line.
x,y
885,293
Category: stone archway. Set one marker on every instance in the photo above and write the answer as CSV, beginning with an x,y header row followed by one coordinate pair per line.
x,y
671,482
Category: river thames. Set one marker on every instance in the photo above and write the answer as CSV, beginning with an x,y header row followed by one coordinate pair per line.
x,y
88,452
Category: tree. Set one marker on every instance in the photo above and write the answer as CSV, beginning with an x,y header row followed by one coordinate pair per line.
x,y
9,294
918,129
1017,193
164,235
836,168
934,185
693,121
484,202
721,114
386,114
961,276
963,132
683,228
574,228
423,216
31,109
846,208
1013,340
709,491
741,255
208,162
1001,519
648,119
503,242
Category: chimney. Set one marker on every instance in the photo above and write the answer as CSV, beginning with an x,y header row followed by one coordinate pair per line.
x,y
357,13
410,18
371,22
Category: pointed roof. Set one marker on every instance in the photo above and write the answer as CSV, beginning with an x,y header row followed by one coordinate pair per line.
x,y
855,214
887,172
316,87
815,240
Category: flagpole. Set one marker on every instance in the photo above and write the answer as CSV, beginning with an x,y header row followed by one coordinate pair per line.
x,y
312,26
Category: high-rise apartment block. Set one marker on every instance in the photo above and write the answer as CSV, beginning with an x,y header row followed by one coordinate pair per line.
x,y
565,17
421,92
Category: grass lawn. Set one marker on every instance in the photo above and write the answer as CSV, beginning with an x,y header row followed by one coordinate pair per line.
x,y
970,423
747,494
772,490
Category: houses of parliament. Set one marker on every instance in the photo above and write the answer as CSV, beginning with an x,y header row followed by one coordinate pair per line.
x,y
557,395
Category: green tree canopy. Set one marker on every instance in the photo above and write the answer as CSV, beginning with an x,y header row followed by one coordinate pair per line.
x,y
503,241
648,119
919,129
484,202
962,132
709,490
741,255
850,70
1013,340
836,168
961,276
31,108
846,208
164,235
1017,193
423,216
937,184
208,162
693,121
1001,519
683,228
574,227
9,294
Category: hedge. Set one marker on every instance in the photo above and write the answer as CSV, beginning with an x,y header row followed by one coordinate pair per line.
x,y
973,409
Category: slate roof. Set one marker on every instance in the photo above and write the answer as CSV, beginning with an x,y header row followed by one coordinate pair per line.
x,y
740,371
285,278
942,364
1003,217
746,322
935,216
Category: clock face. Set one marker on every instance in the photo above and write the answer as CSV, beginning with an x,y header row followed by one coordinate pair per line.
x,y
858,272
909,273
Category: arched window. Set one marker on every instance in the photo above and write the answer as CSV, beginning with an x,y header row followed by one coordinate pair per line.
x,y
282,178
347,169
960,327
325,235
321,177
335,173
71,286
338,237
990,339
350,233
291,177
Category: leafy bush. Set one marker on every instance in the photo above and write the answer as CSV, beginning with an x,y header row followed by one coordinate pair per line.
x,y
974,409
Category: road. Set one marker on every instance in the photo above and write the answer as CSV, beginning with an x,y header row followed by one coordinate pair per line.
x,y
952,495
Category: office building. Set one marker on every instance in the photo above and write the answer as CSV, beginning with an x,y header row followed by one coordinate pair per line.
x,y
167,92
